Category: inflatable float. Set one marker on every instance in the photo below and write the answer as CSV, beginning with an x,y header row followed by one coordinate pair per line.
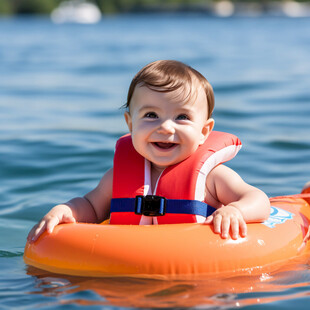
x,y
175,251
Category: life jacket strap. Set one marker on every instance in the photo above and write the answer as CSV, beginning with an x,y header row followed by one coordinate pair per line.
x,y
158,206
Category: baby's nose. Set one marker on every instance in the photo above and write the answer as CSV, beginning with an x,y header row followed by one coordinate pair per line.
x,y
166,127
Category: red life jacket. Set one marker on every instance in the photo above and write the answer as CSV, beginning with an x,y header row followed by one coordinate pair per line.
x,y
180,184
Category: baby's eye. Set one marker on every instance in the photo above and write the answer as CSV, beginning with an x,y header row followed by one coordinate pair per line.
x,y
150,115
182,117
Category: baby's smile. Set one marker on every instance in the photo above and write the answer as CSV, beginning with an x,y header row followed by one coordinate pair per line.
x,y
164,145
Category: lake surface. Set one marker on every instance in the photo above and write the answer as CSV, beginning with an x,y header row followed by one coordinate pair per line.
x,y
61,89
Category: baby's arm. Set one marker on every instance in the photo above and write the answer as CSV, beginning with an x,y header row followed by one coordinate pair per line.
x,y
94,207
237,202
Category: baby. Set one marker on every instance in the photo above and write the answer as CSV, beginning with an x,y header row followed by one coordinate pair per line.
x,y
169,108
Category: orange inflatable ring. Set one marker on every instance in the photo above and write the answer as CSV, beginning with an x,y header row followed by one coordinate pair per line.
x,y
176,250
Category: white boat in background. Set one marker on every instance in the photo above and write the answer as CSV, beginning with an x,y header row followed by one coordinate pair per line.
x,y
223,8
289,8
296,9
76,11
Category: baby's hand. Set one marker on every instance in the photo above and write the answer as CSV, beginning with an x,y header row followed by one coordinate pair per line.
x,y
59,214
225,218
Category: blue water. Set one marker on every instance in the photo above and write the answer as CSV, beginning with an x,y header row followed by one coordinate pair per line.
x,y
61,88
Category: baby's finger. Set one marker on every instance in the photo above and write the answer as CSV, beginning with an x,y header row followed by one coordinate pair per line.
x,y
31,233
36,231
225,227
209,219
54,221
217,222
68,219
234,228
243,228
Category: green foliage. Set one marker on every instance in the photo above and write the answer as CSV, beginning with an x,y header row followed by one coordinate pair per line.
x,y
109,6
6,7
27,6
114,6
124,6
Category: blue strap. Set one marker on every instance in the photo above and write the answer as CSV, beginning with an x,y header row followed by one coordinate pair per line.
x,y
179,206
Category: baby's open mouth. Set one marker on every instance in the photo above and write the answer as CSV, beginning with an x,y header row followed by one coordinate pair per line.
x,y
165,145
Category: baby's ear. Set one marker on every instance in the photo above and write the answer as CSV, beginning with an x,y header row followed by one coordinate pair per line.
x,y
128,120
206,129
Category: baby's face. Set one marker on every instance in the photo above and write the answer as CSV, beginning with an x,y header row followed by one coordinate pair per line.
x,y
165,128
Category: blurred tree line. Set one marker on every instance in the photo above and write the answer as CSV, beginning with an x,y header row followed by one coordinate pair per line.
x,y
12,7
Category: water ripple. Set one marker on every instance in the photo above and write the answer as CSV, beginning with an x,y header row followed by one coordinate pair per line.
x,y
289,145
10,254
243,87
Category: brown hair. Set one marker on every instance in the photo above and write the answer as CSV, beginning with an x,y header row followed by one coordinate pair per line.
x,y
168,76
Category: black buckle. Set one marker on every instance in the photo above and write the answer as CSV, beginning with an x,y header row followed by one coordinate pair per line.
x,y
150,205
